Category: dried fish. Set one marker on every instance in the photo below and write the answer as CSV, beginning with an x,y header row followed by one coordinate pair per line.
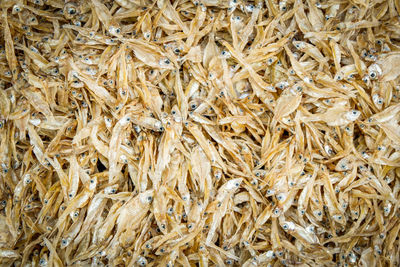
x,y
210,133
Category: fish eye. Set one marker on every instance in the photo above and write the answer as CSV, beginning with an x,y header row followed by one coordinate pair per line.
x,y
76,214
71,11
149,198
167,61
373,75
118,30
386,209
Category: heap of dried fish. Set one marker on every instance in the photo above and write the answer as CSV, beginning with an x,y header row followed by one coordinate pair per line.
x,y
199,133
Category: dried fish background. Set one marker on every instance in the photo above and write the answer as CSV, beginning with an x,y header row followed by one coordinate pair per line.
x,y
199,133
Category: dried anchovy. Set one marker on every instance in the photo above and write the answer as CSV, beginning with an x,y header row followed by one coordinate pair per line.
x,y
214,132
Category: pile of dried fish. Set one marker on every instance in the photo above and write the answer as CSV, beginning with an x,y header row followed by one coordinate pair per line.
x,y
199,133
